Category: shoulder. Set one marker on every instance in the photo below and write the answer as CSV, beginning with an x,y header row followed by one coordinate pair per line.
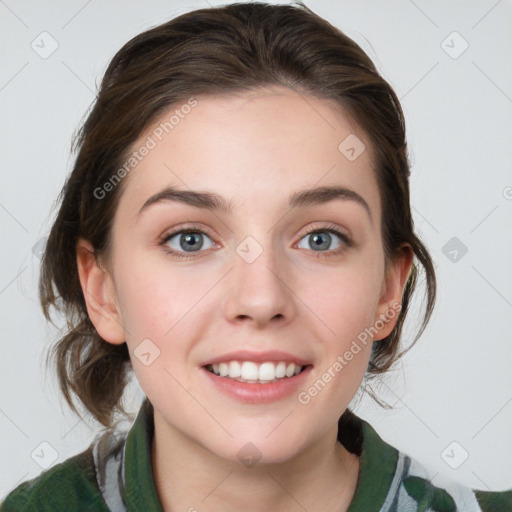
x,y
396,481
445,495
68,486
490,501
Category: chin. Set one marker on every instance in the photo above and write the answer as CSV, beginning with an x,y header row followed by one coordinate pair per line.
x,y
250,449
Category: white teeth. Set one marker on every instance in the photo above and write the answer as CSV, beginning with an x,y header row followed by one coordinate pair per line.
x,y
249,371
223,369
234,369
267,371
280,370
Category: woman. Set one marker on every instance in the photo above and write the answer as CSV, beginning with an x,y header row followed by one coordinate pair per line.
x,y
237,230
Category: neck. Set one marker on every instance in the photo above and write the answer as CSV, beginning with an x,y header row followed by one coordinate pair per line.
x,y
322,477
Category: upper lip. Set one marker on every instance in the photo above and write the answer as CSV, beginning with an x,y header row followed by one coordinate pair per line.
x,y
257,357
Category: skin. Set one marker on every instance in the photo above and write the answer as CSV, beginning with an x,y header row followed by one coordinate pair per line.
x,y
254,149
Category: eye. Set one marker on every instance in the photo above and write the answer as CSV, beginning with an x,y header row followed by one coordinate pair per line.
x,y
322,240
191,241
188,240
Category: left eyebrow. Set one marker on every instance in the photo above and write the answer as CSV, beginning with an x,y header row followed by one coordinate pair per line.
x,y
211,201
321,195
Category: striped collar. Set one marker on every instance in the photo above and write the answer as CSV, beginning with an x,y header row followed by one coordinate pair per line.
x,y
125,477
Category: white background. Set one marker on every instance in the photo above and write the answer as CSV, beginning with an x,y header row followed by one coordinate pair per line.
x,y
456,384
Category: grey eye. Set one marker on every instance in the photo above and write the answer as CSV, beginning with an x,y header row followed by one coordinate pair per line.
x,y
321,240
191,241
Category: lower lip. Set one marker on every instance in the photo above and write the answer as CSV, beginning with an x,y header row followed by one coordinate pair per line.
x,y
254,393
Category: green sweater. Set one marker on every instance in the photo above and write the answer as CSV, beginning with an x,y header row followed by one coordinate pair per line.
x,y
114,474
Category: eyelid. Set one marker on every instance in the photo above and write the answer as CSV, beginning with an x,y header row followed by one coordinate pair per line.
x,y
196,228
328,227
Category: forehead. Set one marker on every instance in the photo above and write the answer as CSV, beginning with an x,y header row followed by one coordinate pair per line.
x,y
251,147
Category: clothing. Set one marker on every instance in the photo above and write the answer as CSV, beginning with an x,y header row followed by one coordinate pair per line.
x,y
115,474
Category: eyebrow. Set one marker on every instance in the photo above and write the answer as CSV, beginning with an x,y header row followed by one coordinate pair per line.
x,y
211,201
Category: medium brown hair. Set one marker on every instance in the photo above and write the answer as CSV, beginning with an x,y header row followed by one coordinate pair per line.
x,y
222,50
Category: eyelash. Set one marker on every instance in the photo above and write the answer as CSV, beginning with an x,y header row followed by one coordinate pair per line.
x,y
330,228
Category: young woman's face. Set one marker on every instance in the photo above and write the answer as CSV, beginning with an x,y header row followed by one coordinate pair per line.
x,y
248,285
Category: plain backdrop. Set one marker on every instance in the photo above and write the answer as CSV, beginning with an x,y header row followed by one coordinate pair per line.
x,y
449,63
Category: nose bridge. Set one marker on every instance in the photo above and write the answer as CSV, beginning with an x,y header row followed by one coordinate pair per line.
x,y
259,288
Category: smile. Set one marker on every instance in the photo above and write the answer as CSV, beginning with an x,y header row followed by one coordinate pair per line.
x,y
256,391
251,372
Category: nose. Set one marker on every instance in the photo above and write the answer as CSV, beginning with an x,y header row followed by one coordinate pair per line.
x,y
259,292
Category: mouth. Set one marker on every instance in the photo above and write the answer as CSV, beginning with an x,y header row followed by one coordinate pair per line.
x,y
252,372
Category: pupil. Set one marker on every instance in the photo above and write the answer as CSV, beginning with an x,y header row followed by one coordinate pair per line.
x,y
190,240
318,242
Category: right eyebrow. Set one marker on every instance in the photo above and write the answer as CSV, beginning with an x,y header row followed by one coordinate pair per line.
x,y
206,200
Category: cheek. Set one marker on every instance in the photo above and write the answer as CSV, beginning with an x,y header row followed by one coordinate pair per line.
x,y
163,309
154,304
343,303
344,312
153,296
344,300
